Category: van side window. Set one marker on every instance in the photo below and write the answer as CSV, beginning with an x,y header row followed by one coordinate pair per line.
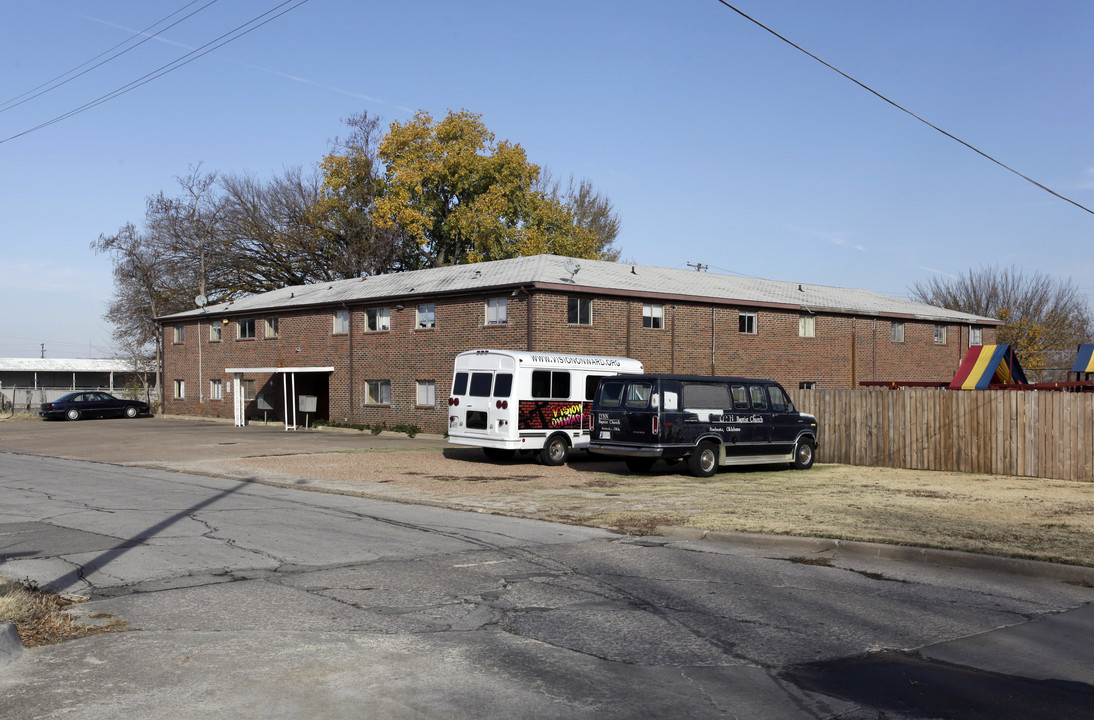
x,y
779,401
551,384
503,385
480,384
591,383
740,398
759,397
459,385
706,395
611,394
638,395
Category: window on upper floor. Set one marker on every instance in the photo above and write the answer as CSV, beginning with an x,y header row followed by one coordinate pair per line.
x,y
746,323
426,316
939,334
653,316
378,319
579,311
497,311
807,326
245,329
898,331
341,322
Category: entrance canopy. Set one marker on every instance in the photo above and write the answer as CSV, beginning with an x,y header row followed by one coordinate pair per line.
x,y
988,365
288,380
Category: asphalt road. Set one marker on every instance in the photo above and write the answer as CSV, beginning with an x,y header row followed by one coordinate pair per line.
x,y
255,601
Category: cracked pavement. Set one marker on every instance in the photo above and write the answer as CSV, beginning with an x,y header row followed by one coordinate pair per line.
x,y
254,601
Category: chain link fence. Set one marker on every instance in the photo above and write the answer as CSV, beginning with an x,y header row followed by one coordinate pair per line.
x,y
16,400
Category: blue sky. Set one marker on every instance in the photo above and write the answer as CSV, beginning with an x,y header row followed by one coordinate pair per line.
x,y
717,142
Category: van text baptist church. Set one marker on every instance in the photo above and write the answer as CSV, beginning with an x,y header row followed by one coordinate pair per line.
x,y
380,349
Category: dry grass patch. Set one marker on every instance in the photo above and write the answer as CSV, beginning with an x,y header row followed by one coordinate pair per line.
x,y
41,617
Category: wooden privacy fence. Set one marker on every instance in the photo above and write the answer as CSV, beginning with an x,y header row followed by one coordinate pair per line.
x,y
1006,432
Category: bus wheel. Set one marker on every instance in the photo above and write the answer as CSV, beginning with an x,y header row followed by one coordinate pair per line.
x,y
704,461
498,454
555,451
639,464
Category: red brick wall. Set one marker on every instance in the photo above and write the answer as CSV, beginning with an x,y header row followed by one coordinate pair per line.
x,y
695,338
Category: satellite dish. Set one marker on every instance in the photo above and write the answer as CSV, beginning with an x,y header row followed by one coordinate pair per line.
x,y
200,301
571,267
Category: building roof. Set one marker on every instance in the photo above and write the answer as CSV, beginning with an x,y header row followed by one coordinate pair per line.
x,y
591,276
99,365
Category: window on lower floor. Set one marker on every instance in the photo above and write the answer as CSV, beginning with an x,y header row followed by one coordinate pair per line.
x,y
746,323
427,393
378,392
247,387
216,390
807,385
180,389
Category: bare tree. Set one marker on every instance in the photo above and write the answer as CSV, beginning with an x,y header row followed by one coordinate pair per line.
x,y
1046,318
590,210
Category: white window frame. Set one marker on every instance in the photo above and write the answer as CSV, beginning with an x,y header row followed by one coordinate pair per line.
x,y
341,322
497,311
581,302
939,334
378,319
653,316
245,323
180,334
976,335
425,316
807,326
426,393
216,389
180,389
898,331
273,327
748,322
215,331
377,392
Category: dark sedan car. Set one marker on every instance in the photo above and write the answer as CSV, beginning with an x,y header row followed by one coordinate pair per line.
x,y
92,404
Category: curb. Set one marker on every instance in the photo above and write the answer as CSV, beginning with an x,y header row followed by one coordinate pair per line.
x,y
10,644
880,551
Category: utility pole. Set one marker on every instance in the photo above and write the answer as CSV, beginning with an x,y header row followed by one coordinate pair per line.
x,y
699,267
43,351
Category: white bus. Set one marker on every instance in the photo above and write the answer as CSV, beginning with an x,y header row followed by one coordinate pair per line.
x,y
504,401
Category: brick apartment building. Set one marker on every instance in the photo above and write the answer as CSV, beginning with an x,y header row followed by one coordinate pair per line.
x,y
381,348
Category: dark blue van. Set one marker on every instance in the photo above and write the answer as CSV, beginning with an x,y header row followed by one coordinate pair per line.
x,y
707,421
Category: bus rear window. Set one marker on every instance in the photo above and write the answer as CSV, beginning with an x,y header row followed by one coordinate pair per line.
x,y
503,385
480,384
459,385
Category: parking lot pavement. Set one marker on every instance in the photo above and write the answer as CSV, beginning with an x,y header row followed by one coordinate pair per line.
x,y
177,439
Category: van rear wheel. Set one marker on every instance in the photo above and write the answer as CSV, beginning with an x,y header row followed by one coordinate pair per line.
x,y
555,451
704,461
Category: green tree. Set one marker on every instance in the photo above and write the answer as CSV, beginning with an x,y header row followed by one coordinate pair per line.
x,y
457,195
1045,318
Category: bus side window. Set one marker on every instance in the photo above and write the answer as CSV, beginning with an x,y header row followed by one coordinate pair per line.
x,y
759,397
591,383
541,384
548,385
740,398
560,385
480,384
459,385
503,385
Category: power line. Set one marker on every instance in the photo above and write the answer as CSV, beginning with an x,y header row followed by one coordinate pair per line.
x,y
17,101
906,110
169,67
